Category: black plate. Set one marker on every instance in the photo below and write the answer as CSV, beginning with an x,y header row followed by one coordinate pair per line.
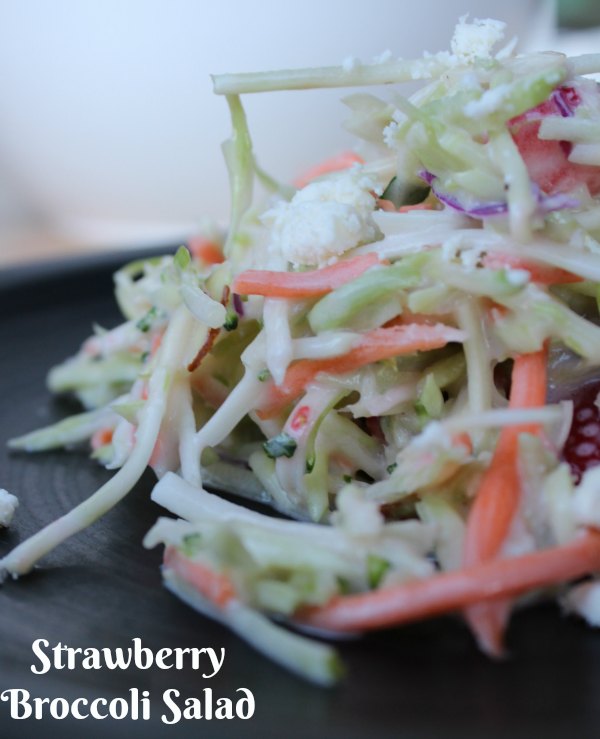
x,y
102,589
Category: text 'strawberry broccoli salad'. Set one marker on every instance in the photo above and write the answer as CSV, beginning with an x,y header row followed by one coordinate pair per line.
x,y
385,353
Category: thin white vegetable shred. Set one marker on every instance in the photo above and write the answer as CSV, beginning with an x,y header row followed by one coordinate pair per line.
x,y
400,354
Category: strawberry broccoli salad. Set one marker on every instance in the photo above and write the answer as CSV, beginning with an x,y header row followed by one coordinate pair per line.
x,y
399,354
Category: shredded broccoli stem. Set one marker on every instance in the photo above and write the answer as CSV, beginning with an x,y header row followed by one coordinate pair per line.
x,y
479,372
240,163
303,79
21,559
584,64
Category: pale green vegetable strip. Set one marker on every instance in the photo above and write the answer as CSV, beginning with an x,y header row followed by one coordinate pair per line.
x,y
76,373
493,283
71,430
316,484
299,79
538,315
430,400
448,370
521,203
479,370
569,129
264,469
374,287
316,662
450,529
21,559
584,64
240,163
585,153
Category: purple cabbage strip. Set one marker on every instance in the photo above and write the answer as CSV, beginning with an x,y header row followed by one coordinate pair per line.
x,y
429,177
546,203
480,210
562,103
238,305
560,201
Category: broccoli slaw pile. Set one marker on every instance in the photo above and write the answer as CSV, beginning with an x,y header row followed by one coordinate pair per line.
x,y
383,353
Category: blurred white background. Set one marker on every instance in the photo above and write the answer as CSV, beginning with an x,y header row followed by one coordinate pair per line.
x,y
110,134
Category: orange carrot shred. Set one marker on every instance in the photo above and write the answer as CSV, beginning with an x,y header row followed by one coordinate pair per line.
x,y
205,250
543,274
373,346
310,284
498,497
451,591
215,586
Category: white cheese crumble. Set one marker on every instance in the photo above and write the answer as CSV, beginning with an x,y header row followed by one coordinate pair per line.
x,y
490,101
476,39
389,134
324,219
8,506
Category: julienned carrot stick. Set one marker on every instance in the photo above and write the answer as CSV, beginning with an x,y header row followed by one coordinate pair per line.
x,y
375,345
215,586
205,250
499,494
335,164
543,274
309,284
455,590
528,380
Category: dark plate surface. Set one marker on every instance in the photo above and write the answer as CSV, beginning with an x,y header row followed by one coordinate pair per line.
x,y
102,589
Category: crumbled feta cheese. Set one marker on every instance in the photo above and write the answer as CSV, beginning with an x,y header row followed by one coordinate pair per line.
x,y
8,506
584,600
391,130
490,101
586,500
476,39
389,134
324,219
420,69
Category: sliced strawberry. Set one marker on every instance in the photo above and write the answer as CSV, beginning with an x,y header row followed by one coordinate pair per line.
x,y
547,161
582,448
